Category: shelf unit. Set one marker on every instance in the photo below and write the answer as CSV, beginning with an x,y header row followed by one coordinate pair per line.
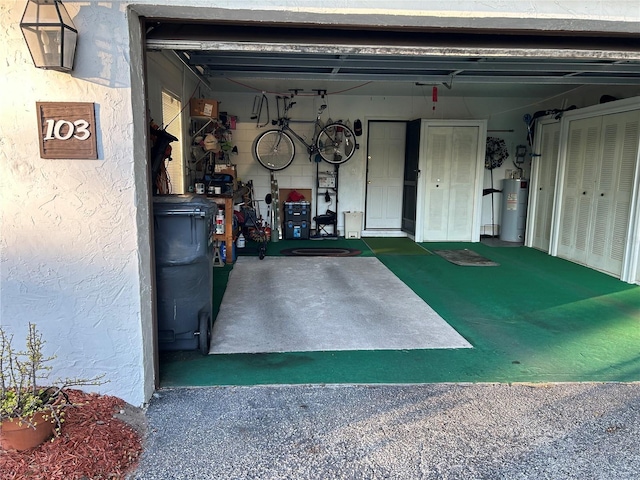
x,y
327,188
201,126
227,236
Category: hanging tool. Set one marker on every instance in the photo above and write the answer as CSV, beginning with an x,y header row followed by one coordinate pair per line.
x,y
259,102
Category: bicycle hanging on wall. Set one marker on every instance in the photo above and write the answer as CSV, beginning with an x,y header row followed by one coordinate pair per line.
x,y
274,149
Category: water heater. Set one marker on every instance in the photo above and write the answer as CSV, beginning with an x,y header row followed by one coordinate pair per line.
x,y
515,193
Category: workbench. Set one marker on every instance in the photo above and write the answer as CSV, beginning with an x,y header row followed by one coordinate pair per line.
x,y
227,236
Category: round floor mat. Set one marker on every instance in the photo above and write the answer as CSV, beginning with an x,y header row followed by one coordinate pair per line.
x,y
320,252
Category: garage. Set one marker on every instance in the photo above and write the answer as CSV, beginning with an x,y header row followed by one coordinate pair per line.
x,y
385,77
410,89
77,248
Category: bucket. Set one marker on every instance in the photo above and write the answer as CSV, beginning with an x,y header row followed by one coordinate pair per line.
x,y
223,253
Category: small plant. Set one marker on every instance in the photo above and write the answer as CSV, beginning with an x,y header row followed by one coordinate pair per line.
x,y
24,386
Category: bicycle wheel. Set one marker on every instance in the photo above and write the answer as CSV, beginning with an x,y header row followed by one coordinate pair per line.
x,y
336,143
274,150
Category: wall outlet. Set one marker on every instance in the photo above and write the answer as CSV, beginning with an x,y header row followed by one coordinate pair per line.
x,y
508,173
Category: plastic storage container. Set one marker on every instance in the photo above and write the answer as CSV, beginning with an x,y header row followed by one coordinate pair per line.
x,y
352,224
297,220
297,230
183,232
297,211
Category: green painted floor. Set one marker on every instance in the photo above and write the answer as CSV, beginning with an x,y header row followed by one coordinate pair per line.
x,y
533,318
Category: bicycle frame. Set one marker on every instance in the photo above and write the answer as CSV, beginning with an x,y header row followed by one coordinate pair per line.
x,y
283,123
275,148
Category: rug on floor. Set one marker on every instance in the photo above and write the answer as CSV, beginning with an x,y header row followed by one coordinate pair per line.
x,y
320,252
466,258
295,304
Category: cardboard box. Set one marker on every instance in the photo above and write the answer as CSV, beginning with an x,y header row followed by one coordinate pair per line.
x,y
204,107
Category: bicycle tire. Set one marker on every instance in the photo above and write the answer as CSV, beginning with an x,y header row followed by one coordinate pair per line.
x,y
274,150
336,143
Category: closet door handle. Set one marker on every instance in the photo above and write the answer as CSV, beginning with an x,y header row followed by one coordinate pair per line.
x,y
602,194
584,193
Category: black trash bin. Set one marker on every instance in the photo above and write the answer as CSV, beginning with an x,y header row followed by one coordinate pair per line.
x,y
183,231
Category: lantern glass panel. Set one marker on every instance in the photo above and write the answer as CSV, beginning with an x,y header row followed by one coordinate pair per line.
x,y
41,12
70,40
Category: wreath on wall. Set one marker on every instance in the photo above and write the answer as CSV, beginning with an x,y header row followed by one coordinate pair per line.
x,y
496,153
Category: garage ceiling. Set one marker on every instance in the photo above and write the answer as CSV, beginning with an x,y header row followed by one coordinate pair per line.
x,y
279,58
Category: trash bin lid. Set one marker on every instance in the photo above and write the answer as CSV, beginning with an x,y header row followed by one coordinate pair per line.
x,y
183,204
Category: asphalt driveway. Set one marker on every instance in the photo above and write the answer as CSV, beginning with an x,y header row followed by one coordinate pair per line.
x,y
434,431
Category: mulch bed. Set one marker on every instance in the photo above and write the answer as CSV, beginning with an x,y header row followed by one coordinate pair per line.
x,y
93,444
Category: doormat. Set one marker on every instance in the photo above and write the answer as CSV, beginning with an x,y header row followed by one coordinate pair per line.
x,y
320,252
395,246
466,258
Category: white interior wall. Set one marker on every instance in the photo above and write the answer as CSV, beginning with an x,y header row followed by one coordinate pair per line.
x,y
505,121
166,72
503,114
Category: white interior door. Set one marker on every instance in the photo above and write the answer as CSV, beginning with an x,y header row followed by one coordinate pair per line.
x,y
546,165
451,164
385,175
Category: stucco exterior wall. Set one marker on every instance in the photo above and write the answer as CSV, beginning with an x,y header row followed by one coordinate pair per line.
x,y
71,260
75,242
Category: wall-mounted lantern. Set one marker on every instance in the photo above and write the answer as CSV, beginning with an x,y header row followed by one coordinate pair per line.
x,y
50,35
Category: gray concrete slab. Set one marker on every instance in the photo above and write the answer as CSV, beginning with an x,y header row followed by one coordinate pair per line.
x,y
560,431
296,304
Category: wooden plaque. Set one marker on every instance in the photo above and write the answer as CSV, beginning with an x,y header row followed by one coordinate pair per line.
x,y
67,130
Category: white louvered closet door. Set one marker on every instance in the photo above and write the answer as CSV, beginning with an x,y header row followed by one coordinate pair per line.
x,y
614,190
438,171
546,184
462,184
598,184
450,189
583,153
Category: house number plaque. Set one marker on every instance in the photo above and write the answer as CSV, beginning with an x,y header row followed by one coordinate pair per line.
x,y
67,130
